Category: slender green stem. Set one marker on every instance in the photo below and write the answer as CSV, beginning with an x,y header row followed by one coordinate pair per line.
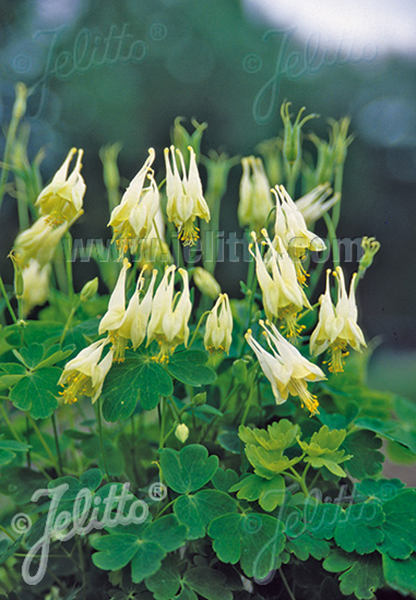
x,y
100,431
285,583
164,509
10,138
336,211
10,535
162,420
69,321
333,237
7,301
58,449
299,480
68,263
7,420
44,444
197,327
28,442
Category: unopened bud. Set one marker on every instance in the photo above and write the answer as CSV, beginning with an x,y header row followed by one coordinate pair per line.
x,y
182,432
206,283
199,399
291,143
19,106
18,275
89,290
181,138
240,370
370,246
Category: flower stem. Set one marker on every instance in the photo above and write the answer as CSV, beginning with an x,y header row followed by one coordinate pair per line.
x,y
58,449
100,431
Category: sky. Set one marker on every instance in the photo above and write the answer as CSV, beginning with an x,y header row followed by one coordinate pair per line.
x,y
383,25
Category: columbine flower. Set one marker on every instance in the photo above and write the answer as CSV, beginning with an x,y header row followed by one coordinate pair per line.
x,y
153,248
337,326
291,228
314,204
84,375
61,200
137,315
255,197
38,242
115,315
133,218
286,369
170,315
206,283
283,297
185,197
219,326
35,285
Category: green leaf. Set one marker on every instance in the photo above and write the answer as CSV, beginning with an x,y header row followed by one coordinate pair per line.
x,y
91,479
91,448
147,381
400,574
380,489
189,368
269,492
197,511
7,548
254,539
366,459
224,479
305,545
31,355
166,582
144,549
361,575
8,449
10,374
188,470
319,519
37,392
207,583
399,527
359,528
404,433
322,450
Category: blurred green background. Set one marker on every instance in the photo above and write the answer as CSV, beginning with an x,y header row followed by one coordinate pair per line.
x,y
122,71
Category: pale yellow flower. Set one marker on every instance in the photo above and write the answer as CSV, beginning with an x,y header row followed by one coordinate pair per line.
x,y
219,326
182,432
286,369
133,218
316,203
283,297
291,229
185,196
137,315
170,314
35,285
38,242
255,196
84,375
62,199
337,327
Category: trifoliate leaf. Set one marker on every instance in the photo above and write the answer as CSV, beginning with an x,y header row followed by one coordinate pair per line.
x,y
189,368
322,450
198,510
380,489
147,381
188,470
255,540
400,574
269,492
37,392
145,549
366,459
358,529
361,575
399,527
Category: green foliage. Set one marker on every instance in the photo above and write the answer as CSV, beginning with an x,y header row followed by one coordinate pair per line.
x,y
361,575
8,449
188,470
189,368
322,450
37,392
269,492
148,381
358,529
366,459
196,511
145,549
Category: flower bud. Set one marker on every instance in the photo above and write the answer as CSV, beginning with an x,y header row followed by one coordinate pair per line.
x,y
370,246
182,432
240,370
219,326
206,283
89,290
292,150
182,139
19,106
199,399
